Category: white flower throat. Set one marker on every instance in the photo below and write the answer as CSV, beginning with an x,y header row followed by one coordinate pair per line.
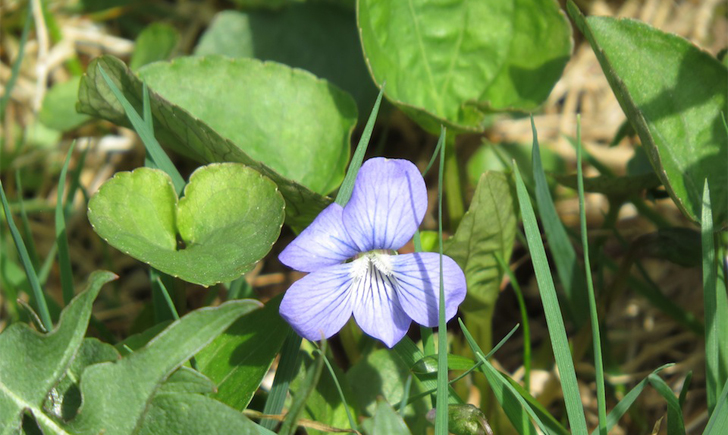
x,y
375,262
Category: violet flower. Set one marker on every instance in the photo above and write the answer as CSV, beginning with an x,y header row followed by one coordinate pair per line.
x,y
384,291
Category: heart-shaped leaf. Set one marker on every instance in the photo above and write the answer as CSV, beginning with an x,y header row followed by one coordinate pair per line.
x,y
452,62
227,221
673,93
177,128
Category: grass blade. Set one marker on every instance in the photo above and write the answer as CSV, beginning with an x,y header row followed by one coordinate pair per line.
x,y
25,260
596,338
32,252
675,423
524,320
504,391
557,331
290,422
347,186
16,66
441,407
719,419
287,368
352,422
64,253
570,275
146,134
710,301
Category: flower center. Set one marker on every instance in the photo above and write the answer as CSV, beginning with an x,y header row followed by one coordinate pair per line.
x,y
376,261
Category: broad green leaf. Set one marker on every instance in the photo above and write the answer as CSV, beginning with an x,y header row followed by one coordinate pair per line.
x,y
58,110
177,128
225,207
388,421
487,229
31,364
451,63
194,414
382,375
65,398
117,396
187,380
156,42
673,93
296,124
239,358
321,38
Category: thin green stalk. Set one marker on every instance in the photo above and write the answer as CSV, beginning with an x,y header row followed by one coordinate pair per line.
x,y
441,408
313,374
16,66
710,301
27,232
25,260
596,338
452,185
287,368
524,320
64,252
405,395
352,422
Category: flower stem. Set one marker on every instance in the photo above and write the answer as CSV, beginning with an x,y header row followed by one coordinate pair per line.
x,y
452,185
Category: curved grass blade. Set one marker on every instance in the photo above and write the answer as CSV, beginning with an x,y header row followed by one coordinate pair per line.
x,y
146,133
570,275
64,253
27,265
557,331
596,337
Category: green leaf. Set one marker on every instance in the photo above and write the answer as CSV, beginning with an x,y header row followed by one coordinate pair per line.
x,y
58,110
263,107
179,129
318,37
31,364
187,380
118,395
673,93
156,42
225,206
382,375
239,358
451,63
65,398
193,414
552,311
487,229
387,421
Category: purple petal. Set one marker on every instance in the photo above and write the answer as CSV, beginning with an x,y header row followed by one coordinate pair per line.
x,y
387,205
323,243
319,304
377,309
418,276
